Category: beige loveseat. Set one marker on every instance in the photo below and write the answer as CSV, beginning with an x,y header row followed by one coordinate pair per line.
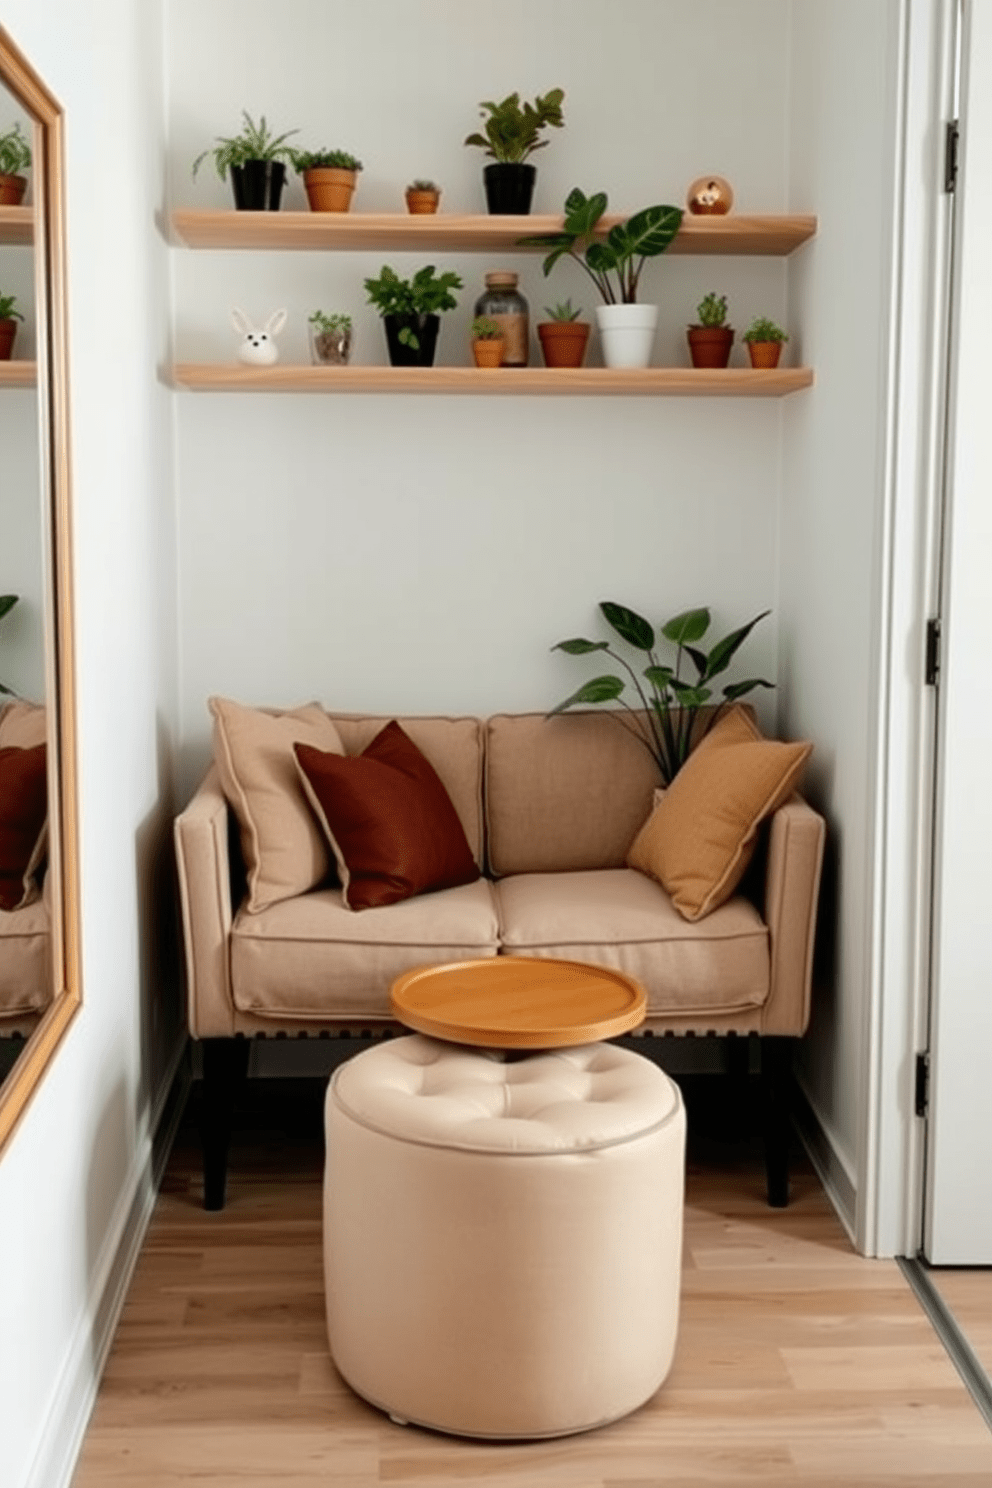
x,y
26,973
550,808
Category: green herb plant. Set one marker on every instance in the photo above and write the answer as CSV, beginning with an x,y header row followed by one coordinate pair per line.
x,y
327,324
427,293
304,160
614,262
484,328
668,702
562,311
15,152
712,310
512,129
253,143
7,603
763,329
7,312
419,185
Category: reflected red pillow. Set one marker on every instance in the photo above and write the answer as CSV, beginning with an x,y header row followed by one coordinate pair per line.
x,y
389,820
23,809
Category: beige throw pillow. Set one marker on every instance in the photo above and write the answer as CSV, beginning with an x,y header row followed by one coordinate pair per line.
x,y
701,835
284,849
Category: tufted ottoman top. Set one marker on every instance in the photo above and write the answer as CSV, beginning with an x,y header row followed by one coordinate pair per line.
x,y
444,1095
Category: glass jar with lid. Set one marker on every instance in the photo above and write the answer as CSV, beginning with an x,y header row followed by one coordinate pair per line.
x,y
502,301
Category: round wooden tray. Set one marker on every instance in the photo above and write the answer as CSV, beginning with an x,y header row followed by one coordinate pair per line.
x,y
518,1002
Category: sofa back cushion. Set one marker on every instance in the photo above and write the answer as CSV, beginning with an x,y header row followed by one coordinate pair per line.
x,y
563,793
452,745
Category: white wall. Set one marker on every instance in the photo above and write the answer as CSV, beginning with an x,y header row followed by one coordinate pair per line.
x,y
79,1158
403,553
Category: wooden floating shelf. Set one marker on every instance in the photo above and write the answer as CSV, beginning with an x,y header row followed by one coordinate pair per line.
x,y
18,374
16,225
681,382
359,232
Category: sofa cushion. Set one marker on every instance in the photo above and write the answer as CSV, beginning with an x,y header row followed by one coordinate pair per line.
x,y
622,919
26,977
284,849
562,793
312,958
701,835
389,820
23,810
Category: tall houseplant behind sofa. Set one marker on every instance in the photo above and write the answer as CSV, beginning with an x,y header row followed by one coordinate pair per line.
x,y
550,810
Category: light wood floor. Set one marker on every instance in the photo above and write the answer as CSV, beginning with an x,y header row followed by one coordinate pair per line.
x,y
798,1362
968,1294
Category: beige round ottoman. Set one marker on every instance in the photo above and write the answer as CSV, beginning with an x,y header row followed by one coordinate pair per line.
x,y
502,1236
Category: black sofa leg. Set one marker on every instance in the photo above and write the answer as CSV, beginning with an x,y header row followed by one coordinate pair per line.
x,y
225,1066
776,1072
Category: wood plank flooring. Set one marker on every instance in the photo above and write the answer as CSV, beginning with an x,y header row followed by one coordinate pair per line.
x,y
967,1291
798,1362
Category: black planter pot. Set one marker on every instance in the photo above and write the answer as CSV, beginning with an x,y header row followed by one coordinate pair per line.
x,y
258,185
424,327
509,187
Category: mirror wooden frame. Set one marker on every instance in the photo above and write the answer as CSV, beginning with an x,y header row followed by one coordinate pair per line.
x,y
24,84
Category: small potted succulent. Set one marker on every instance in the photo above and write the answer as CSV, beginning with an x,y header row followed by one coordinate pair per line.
x,y
330,339
329,178
710,339
410,310
8,325
422,197
487,341
511,135
563,335
257,162
15,157
764,341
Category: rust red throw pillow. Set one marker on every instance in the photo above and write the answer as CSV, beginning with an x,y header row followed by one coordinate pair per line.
x,y
23,808
389,820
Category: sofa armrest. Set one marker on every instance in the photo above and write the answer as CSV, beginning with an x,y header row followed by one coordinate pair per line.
x,y
202,855
792,886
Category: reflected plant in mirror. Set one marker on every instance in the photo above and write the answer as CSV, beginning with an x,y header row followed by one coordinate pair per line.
x,y
7,603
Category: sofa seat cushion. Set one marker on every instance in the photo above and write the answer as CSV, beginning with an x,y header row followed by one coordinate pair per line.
x,y
25,959
622,919
311,957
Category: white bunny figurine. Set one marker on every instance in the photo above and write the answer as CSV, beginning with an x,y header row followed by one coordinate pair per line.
x,y
258,348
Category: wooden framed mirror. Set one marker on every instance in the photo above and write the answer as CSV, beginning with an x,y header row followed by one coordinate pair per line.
x,y
39,927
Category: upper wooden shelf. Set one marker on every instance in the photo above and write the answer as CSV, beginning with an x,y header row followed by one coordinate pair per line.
x,y
16,225
18,374
373,231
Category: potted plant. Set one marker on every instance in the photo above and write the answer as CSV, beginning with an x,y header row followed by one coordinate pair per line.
x,y
487,341
7,603
330,339
670,702
410,310
764,340
511,135
256,160
8,325
422,197
614,264
711,338
329,178
15,157
563,336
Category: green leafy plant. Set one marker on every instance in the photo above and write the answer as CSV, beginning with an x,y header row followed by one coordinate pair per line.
x,y
7,312
613,263
7,603
512,129
426,293
484,328
15,152
562,311
253,143
327,324
669,702
763,329
304,160
712,310
419,185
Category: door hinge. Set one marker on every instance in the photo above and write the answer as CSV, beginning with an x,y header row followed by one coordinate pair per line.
x,y
932,664
952,140
922,1095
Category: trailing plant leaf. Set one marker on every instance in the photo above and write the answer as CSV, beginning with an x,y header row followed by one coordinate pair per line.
x,y
632,627
691,625
580,647
599,690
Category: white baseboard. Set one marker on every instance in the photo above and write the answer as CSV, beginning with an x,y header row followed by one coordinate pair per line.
x,y
832,1167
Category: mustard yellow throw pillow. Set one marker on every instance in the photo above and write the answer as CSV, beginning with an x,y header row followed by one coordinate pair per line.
x,y
701,835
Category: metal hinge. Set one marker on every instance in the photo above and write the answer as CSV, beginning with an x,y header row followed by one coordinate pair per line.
x,y
952,139
932,664
922,1100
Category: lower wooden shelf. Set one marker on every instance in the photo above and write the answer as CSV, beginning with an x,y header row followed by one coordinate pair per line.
x,y
18,374
681,382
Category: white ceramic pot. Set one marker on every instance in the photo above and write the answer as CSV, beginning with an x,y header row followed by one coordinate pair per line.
x,y
627,334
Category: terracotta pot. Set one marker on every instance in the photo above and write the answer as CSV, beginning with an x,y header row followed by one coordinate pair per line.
x,y
8,330
563,342
328,188
764,353
12,189
419,203
488,353
709,346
